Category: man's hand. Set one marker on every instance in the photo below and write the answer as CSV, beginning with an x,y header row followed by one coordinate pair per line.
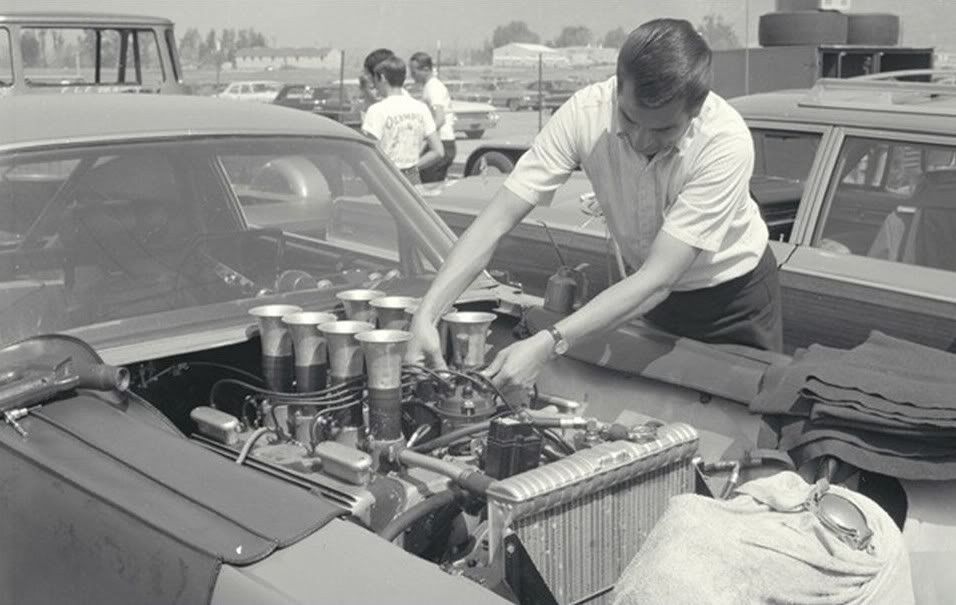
x,y
425,346
518,366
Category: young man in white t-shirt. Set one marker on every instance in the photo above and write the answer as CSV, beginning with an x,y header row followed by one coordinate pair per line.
x,y
401,123
436,96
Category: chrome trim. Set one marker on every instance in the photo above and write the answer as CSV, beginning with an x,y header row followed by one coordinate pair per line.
x,y
877,285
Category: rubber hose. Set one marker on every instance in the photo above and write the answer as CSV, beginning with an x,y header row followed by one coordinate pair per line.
x,y
247,446
430,505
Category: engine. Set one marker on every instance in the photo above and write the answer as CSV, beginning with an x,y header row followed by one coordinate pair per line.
x,y
512,490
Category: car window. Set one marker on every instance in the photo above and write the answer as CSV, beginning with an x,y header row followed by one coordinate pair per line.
x,y
262,87
297,93
102,232
782,163
893,201
244,89
6,64
149,70
319,195
61,56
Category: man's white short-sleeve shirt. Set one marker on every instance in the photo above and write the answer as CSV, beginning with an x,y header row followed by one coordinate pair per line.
x,y
400,123
698,191
435,94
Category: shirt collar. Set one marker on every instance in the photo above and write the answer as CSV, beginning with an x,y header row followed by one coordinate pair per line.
x,y
684,141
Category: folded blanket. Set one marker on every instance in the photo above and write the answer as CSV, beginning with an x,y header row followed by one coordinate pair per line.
x,y
764,546
887,405
884,374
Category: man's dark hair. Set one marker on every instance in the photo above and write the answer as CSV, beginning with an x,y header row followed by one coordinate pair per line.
x,y
393,70
422,60
375,57
666,59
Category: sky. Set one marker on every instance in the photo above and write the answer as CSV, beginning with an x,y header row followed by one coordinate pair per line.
x,y
410,25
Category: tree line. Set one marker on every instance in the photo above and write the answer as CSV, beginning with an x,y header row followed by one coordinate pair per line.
x,y
719,34
217,48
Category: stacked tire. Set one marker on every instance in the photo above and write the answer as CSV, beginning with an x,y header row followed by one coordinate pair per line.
x,y
802,28
873,29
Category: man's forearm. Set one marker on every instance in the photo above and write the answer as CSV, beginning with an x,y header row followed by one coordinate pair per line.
x,y
428,158
669,258
466,260
472,252
613,307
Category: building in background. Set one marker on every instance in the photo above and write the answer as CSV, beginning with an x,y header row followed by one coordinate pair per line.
x,y
259,58
585,56
519,54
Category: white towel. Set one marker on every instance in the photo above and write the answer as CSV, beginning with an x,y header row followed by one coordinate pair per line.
x,y
764,547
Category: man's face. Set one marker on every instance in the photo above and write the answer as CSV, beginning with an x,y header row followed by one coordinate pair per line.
x,y
651,130
419,73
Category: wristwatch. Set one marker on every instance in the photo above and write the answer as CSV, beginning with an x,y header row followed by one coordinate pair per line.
x,y
560,344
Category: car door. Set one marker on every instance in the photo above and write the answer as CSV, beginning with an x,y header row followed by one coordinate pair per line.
x,y
881,196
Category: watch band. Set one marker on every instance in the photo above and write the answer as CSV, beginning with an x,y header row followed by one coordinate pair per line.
x,y
560,346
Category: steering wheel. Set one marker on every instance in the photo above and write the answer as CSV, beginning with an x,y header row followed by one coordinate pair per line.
x,y
207,264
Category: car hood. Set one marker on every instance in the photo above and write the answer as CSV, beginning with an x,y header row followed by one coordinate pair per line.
x,y
469,106
470,195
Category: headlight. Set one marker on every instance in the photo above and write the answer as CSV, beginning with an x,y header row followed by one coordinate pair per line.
x,y
493,116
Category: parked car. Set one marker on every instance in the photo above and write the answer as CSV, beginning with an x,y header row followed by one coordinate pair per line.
x,y
849,187
260,91
471,118
509,94
461,90
186,471
145,244
474,119
342,104
114,53
559,91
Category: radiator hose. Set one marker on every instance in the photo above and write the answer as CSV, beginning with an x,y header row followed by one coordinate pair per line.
x,y
424,508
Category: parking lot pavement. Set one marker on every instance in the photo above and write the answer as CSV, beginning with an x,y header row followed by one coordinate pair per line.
x,y
518,125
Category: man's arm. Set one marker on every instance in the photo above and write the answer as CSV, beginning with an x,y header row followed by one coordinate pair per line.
x,y
634,296
669,258
472,252
439,114
435,151
539,172
372,123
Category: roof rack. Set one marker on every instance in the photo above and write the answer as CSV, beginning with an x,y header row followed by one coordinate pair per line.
x,y
883,95
935,76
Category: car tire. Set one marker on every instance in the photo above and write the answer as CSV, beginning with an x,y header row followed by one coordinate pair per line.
x,y
514,104
875,29
802,28
491,160
474,134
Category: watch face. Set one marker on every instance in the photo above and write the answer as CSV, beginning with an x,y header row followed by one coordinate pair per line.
x,y
561,347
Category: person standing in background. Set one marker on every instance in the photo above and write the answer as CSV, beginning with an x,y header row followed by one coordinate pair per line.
x,y
436,96
369,93
400,123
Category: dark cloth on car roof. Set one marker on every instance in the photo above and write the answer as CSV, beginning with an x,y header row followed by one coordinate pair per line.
x,y
886,406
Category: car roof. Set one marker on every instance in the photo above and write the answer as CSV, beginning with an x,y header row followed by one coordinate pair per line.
x,y
254,82
78,18
810,107
42,120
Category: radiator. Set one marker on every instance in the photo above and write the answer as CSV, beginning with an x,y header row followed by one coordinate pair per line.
x,y
581,519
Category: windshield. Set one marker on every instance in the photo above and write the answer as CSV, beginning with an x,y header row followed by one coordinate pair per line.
x,y
107,232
